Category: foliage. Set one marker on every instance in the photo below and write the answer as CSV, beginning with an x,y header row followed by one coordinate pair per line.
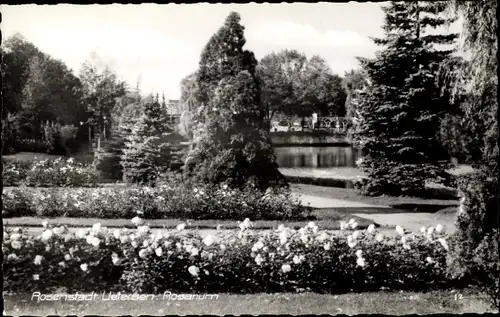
x,y
166,201
353,83
401,110
243,261
148,151
107,160
48,173
189,105
477,223
295,86
231,144
476,254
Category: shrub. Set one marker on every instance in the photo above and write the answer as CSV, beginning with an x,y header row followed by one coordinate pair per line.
x,y
474,256
241,261
49,173
156,203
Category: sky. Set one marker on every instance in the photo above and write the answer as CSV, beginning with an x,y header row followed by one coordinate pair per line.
x,y
161,44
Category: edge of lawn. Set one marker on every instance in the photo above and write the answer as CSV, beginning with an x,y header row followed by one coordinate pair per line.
x,y
325,219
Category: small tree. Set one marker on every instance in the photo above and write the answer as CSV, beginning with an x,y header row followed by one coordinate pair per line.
x,y
147,151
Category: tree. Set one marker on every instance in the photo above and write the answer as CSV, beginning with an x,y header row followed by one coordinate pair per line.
x,y
403,106
147,152
231,144
101,93
295,86
475,249
280,75
322,90
17,53
189,103
353,83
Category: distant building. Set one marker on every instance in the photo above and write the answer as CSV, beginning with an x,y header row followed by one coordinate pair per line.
x,y
173,106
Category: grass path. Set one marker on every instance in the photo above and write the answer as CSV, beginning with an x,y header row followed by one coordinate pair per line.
x,y
387,303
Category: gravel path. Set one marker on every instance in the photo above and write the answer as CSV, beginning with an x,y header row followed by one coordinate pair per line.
x,y
323,202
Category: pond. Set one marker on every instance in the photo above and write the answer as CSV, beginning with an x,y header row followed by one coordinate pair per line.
x,y
316,156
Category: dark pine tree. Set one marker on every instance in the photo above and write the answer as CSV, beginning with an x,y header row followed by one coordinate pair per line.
x,y
230,143
402,108
148,148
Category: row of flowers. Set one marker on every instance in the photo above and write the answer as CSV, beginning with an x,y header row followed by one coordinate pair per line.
x,y
48,173
155,203
239,261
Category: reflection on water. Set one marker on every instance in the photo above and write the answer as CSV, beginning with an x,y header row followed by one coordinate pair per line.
x,y
316,156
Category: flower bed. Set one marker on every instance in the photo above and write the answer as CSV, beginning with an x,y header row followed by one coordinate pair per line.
x,y
154,203
242,261
49,173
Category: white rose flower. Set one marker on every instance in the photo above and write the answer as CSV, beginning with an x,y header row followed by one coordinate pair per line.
x,y
208,240
259,259
439,228
159,251
360,262
117,234
45,223
38,260
400,230
327,246
371,228
343,225
322,237
423,230
59,230
16,244
379,237
359,253
95,241
193,270
46,235
67,257
96,227
12,256
15,237
194,251
181,227
84,267
81,234
136,221
36,277
429,260
356,234
354,225
143,253
286,268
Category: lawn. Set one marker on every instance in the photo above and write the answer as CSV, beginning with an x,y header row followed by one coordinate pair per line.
x,y
383,302
31,157
407,203
327,219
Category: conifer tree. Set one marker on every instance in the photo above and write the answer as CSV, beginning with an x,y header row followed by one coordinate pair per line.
x,y
147,153
230,143
402,108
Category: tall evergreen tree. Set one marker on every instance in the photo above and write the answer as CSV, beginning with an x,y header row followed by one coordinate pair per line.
x,y
230,144
402,108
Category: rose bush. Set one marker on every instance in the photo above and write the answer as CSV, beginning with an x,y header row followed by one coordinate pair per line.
x,y
244,261
160,202
47,173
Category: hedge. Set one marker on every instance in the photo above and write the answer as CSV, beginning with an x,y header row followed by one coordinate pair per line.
x,y
244,261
